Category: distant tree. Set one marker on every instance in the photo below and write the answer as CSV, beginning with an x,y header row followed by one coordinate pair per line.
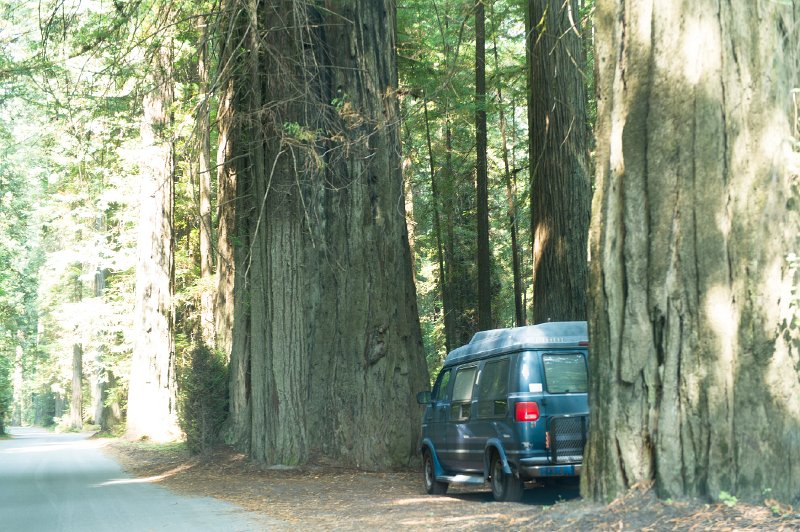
x,y
482,178
560,188
152,408
695,331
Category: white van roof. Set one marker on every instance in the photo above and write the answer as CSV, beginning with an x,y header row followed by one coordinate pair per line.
x,y
559,334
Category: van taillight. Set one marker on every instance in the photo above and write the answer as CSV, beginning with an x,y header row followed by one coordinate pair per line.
x,y
527,411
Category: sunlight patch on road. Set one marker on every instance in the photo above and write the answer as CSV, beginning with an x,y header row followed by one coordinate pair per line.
x,y
145,480
435,522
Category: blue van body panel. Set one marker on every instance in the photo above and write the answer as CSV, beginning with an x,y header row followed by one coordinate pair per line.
x,y
438,471
463,428
491,445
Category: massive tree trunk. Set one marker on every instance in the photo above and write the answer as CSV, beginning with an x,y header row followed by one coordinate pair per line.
x,y
152,389
695,230
560,190
332,345
481,172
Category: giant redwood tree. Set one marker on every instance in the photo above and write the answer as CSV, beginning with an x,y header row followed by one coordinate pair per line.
x,y
152,407
695,229
326,349
560,189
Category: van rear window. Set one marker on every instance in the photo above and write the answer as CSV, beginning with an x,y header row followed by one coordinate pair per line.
x,y
565,373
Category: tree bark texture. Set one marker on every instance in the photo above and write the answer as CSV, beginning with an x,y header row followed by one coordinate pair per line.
x,y
228,198
560,189
329,337
76,392
695,366
152,389
207,321
482,175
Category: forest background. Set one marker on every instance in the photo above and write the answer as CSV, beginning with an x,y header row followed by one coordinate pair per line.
x,y
220,218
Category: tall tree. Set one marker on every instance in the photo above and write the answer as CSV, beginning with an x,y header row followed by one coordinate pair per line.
x,y
331,328
482,173
560,190
152,392
207,319
694,239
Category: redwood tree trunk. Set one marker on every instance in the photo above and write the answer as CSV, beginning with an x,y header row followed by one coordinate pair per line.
x,y
76,396
332,344
152,389
207,321
481,171
560,190
695,343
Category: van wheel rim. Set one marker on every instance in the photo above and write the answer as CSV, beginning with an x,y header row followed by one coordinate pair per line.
x,y
428,473
497,478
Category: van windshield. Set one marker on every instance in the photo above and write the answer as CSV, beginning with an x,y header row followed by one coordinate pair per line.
x,y
565,373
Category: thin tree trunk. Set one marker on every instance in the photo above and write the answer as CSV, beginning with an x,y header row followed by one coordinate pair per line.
x,y
482,182
204,178
437,227
76,397
519,308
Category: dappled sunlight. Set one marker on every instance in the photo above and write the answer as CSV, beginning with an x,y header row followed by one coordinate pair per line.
x,y
145,480
701,48
423,500
436,522
781,376
722,318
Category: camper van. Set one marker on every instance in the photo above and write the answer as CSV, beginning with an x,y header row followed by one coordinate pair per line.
x,y
509,408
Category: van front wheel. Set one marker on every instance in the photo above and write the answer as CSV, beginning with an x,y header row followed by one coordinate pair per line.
x,y
432,486
505,487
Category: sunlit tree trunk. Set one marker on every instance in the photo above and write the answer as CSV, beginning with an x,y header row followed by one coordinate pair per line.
x,y
560,189
76,395
207,320
695,230
18,383
152,390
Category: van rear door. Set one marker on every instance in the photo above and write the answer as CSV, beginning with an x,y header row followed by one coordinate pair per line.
x,y
565,405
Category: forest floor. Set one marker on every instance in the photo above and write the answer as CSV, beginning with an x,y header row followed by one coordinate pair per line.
x,y
333,498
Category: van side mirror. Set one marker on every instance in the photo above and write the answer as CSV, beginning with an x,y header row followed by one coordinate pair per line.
x,y
424,398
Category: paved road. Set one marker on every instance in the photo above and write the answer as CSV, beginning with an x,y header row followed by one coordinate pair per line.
x,y
63,482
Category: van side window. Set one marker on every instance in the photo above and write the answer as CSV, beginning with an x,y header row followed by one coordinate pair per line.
x,y
440,388
493,389
462,393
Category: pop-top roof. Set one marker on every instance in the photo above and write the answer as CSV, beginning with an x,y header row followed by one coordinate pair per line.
x,y
545,335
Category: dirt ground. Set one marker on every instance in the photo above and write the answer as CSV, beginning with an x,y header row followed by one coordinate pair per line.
x,y
331,498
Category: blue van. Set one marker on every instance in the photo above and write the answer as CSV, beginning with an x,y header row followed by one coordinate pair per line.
x,y
509,407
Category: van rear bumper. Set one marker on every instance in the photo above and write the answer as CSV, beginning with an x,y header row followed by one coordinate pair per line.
x,y
550,470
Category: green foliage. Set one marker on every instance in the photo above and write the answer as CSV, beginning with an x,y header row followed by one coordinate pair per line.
x,y
727,499
202,398
5,391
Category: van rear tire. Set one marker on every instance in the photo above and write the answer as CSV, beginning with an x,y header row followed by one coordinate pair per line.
x,y
432,486
505,487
